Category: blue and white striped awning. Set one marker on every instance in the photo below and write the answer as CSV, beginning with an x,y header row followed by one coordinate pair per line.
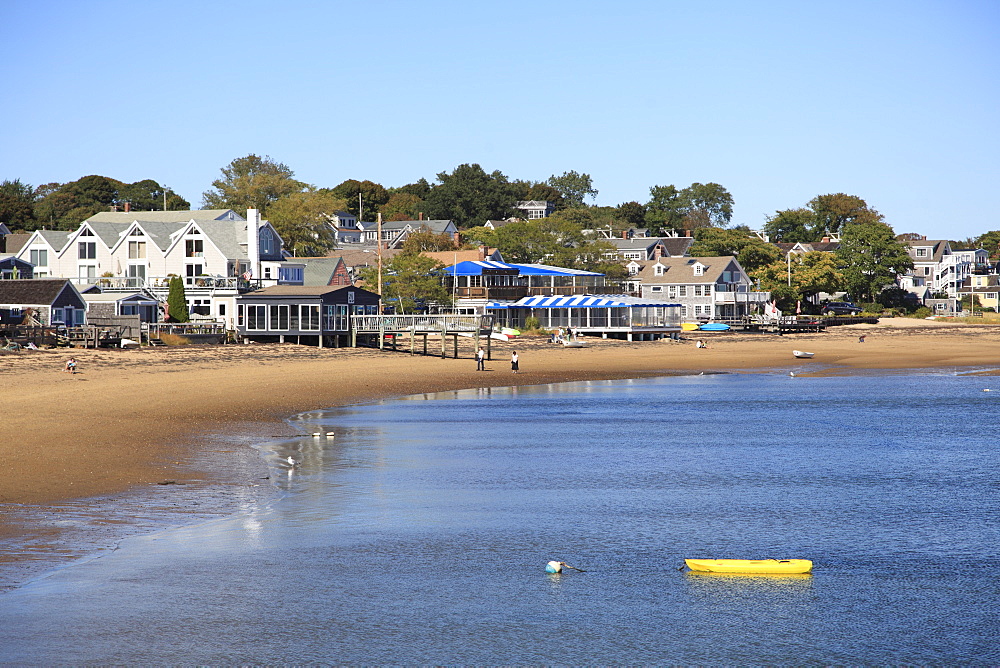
x,y
586,301
476,267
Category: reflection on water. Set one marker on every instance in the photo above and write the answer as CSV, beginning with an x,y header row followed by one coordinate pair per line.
x,y
420,532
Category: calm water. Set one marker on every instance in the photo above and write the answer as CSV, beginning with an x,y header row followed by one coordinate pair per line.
x,y
420,535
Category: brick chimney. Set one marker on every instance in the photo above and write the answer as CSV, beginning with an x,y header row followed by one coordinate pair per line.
x,y
657,252
128,206
482,253
826,240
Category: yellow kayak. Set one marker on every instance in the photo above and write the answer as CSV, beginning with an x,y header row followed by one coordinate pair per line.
x,y
750,565
689,326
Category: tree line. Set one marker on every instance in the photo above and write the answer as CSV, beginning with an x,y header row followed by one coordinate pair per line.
x,y
869,257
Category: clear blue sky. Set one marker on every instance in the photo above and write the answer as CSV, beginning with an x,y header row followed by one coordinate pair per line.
x,y
896,102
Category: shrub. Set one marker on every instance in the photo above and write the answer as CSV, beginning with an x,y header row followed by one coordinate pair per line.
x,y
174,339
922,312
531,323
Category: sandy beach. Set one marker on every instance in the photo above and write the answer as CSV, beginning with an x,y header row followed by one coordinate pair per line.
x,y
135,418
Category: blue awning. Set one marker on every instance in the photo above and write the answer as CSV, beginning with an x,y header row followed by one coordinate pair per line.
x,y
477,268
587,301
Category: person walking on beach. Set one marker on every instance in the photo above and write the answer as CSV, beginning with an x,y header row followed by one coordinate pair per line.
x,y
481,360
513,362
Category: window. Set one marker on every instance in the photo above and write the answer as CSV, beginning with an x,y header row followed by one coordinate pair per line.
x,y
87,271
632,256
266,242
201,306
698,269
137,250
656,288
341,318
633,269
279,317
727,277
256,317
672,291
86,250
309,316
921,252
193,270
658,270
40,257
194,248
682,291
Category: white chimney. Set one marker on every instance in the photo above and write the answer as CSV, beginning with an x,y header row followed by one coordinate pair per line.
x,y
253,242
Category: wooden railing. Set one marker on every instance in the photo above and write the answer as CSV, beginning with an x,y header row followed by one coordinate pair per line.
x,y
370,324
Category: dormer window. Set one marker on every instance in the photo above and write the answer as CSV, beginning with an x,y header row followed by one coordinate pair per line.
x,y
698,268
921,252
658,270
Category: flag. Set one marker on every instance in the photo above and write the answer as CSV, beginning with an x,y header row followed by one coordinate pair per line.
x,y
798,306
247,275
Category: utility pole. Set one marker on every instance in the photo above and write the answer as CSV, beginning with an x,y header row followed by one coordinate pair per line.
x,y
378,231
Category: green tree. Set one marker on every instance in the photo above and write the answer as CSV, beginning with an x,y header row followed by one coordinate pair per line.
x,y
17,205
148,195
363,198
303,221
706,205
557,240
425,240
573,187
990,241
871,258
809,274
699,205
751,252
410,281
469,196
835,211
533,190
792,226
402,206
631,214
64,206
177,309
251,182
664,210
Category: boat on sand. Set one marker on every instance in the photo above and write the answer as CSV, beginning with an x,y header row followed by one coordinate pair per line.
x,y
801,354
761,566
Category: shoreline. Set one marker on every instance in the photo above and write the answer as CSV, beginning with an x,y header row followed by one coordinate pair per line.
x,y
133,423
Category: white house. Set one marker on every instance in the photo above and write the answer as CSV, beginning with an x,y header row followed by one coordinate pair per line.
x,y
217,253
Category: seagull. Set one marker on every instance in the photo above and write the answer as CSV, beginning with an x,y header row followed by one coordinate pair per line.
x,y
792,374
291,462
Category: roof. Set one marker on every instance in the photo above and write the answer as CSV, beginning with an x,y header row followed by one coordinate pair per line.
x,y
365,258
677,246
680,270
198,215
110,297
318,270
436,226
15,242
581,301
475,268
41,291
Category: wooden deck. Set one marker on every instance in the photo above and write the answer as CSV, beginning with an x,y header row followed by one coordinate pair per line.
x,y
388,329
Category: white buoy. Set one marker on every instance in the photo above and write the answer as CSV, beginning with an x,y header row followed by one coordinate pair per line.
x,y
554,567
317,434
330,434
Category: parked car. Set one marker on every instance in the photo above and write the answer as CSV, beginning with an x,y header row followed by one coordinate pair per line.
x,y
840,308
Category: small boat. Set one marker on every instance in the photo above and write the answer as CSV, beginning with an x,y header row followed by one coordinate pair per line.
x,y
510,331
714,327
760,566
801,354
689,326
573,344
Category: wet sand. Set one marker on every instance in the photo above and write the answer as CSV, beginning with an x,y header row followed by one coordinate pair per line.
x,y
131,419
